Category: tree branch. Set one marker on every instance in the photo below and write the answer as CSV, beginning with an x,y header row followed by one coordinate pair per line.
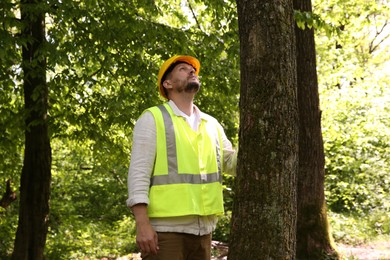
x,y
193,14
8,197
374,46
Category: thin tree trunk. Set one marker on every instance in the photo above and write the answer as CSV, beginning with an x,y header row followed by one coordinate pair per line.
x,y
313,235
264,210
36,173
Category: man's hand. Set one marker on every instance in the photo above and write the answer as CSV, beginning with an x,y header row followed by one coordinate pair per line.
x,y
146,236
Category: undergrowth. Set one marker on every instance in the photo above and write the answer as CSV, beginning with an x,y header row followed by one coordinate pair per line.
x,y
357,229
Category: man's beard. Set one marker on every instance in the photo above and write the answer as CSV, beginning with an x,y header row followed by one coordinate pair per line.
x,y
192,87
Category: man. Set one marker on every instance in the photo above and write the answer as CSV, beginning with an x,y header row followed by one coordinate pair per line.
x,y
175,172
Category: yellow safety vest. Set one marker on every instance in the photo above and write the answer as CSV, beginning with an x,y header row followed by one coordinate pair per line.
x,y
177,188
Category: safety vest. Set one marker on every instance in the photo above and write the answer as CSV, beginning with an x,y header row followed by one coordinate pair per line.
x,y
187,176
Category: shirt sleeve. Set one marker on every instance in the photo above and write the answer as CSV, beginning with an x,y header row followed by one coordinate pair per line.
x,y
229,154
142,160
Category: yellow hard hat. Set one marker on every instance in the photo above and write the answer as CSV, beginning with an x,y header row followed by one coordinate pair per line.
x,y
187,59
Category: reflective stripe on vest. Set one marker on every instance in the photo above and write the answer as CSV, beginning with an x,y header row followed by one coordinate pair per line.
x,y
173,176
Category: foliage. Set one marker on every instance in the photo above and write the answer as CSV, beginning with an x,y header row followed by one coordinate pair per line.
x,y
11,97
355,229
359,53
357,149
353,80
88,206
79,237
312,20
8,225
222,231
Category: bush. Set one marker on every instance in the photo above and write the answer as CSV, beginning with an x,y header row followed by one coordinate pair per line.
x,y
78,238
355,229
356,140
8,225
222,231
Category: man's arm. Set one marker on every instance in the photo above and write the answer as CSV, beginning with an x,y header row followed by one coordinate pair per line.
x,y
140,171
230,154
142,160
146,236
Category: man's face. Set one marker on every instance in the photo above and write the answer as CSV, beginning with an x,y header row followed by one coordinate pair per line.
x,y
183,78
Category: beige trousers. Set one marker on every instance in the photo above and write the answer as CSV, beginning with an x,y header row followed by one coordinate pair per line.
x,y
181,246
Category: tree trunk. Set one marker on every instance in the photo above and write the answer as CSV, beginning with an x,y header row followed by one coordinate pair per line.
x,y
36,173
313,236
264,210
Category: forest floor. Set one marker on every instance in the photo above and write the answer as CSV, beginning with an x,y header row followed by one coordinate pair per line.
x,y
372,251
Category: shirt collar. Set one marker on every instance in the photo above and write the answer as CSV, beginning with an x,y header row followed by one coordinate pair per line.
x,y
178,112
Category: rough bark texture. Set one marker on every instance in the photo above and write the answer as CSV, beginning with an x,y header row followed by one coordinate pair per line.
x,y
264,210
36,173
313,236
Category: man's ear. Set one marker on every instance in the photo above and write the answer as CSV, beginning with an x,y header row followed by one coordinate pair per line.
x,y
167,84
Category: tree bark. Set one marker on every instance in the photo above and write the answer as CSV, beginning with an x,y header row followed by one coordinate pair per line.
x,y
36,172
264,208
313,235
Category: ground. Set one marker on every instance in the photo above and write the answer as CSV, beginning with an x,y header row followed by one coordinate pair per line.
x,y
371,251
